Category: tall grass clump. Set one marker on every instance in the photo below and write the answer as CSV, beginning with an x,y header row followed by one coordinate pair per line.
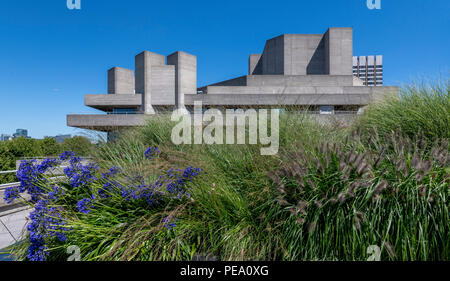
x,y
340,198
422,107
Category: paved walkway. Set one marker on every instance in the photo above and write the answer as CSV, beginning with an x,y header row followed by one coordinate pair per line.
x,y
13,225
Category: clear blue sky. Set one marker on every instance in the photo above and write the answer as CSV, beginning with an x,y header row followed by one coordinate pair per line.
x,y
51,56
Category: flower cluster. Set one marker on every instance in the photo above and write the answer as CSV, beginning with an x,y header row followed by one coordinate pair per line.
x,y
142,192
151,152
169,185
86,205
177,179
79,174
168,222
111,172
46,221
30,175
66,155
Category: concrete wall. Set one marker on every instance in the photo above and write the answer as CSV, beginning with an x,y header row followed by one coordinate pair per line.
x,y
254,64
239,81
299,80
273,56
143,82
303,54
286,90
120,81
163,85
307,54
278,100
185,75
339,51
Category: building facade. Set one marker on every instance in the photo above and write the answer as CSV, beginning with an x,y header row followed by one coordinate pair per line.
x,y
305,71
5,137
21,133
369,69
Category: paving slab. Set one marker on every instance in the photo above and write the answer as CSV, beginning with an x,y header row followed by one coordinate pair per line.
x,y
6,239
16,223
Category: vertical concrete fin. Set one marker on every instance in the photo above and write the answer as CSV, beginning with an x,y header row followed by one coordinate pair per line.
x,y
143,82
254,64
339,51
185,75
120,81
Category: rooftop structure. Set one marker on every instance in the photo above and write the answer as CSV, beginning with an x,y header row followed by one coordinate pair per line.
x,y
313,71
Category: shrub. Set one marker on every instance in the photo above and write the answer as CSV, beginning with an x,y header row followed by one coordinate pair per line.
x,y
340,198
420,108
79,145
89,206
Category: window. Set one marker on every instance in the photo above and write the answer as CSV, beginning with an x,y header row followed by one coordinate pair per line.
x,y
123,111
326,109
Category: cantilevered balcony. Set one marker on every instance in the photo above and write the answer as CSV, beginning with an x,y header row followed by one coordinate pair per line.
x,y
105,122
109,102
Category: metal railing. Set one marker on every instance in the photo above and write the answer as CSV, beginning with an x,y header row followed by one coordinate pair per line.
x,y
59,170
8,172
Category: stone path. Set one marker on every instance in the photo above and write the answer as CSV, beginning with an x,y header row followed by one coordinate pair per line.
x,y
13,226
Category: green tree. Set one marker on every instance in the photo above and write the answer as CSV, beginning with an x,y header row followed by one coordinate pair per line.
x,y
50,147
81,146
7,162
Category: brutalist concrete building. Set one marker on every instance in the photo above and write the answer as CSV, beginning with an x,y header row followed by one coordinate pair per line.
x,y
311,72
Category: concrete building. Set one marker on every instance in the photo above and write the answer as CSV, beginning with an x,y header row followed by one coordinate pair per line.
x,y
301,71
369,69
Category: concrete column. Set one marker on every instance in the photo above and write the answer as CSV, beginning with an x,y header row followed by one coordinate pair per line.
x,y
254,67
339,51
185,75
120,81
143,82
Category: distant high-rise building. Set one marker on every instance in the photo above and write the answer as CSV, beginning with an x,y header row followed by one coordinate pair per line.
x,y
369,69
4,137
61,138
21,133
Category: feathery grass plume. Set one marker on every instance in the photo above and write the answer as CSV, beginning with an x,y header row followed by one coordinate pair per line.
x,y
379,189
301,206
422,190
390,250
357,223
312,227
341,198
282,201
318,203
300,221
